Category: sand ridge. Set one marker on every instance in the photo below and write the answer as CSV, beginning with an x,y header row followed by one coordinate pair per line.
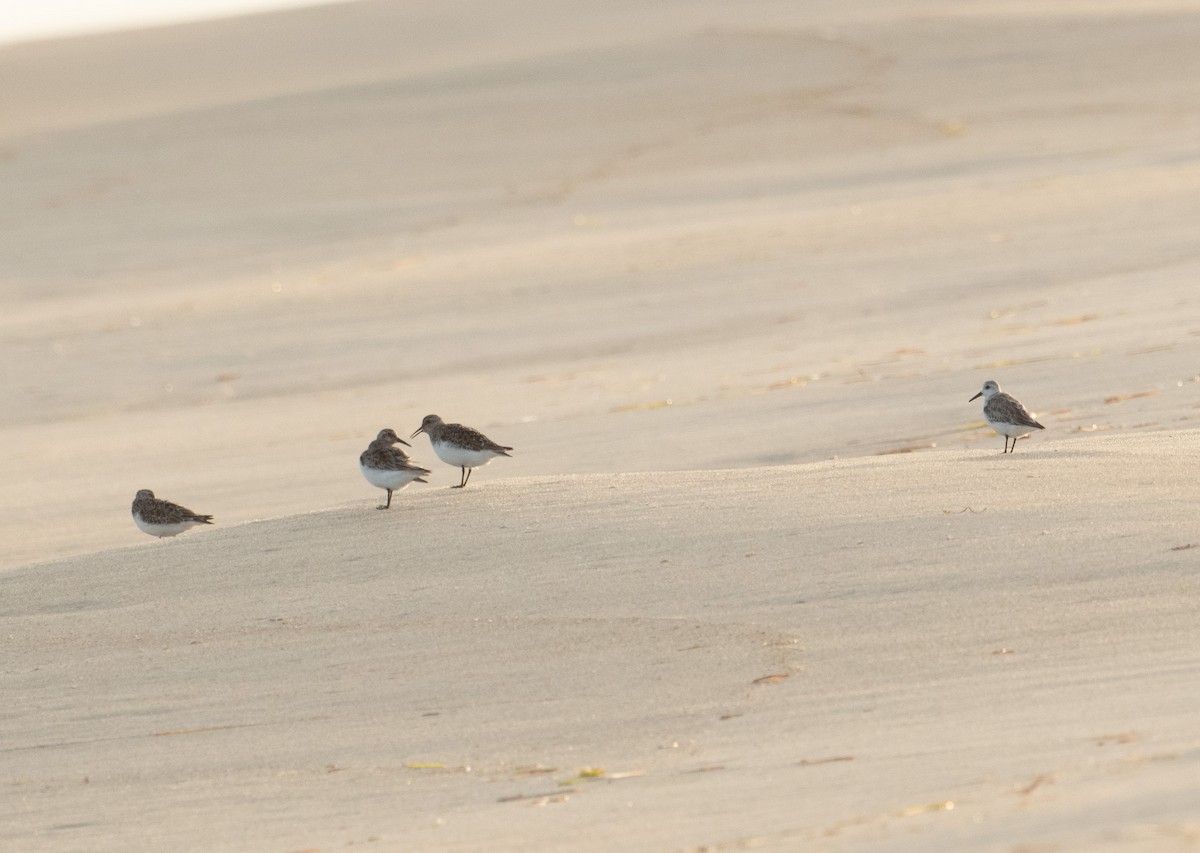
x,y
744,637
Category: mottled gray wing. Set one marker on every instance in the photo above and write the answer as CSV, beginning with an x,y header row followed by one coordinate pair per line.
x,y
1005,408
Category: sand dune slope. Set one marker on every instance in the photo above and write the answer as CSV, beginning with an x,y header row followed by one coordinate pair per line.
x,y
948,651
626,236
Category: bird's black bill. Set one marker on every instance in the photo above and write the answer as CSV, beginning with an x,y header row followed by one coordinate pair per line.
x,y
976,397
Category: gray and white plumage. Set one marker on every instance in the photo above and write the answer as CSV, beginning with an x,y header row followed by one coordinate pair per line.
x,y
388,467
1005,414
459,445
162,518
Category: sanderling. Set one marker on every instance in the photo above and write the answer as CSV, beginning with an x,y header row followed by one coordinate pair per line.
x,y
163,518
458,445
1005,414
387,466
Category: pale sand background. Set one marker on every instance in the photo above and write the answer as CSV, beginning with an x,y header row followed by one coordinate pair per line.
x,y
233,251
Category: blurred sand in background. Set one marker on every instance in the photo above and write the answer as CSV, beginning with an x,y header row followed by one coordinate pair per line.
x,y
236,250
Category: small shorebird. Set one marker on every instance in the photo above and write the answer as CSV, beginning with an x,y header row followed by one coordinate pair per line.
x,y
387,466
458,445
1005,414
163,518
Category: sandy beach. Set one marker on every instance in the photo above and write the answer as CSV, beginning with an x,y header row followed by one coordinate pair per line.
x,y
725,276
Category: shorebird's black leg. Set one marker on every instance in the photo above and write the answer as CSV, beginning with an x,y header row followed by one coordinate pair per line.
x,y
389,501
463,479
467,478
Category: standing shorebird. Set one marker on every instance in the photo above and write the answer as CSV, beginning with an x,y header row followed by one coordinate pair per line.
x,y
387,466
458,445
1005,414
163,518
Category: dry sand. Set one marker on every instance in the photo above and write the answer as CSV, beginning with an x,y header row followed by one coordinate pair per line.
x,y
710,268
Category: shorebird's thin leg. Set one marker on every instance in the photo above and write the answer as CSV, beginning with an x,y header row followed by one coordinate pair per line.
x,y
467,471
462,479
389,501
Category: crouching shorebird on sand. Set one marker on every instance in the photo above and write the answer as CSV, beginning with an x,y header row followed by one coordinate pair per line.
x,y
387,466
458,445
1005,414
163,518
